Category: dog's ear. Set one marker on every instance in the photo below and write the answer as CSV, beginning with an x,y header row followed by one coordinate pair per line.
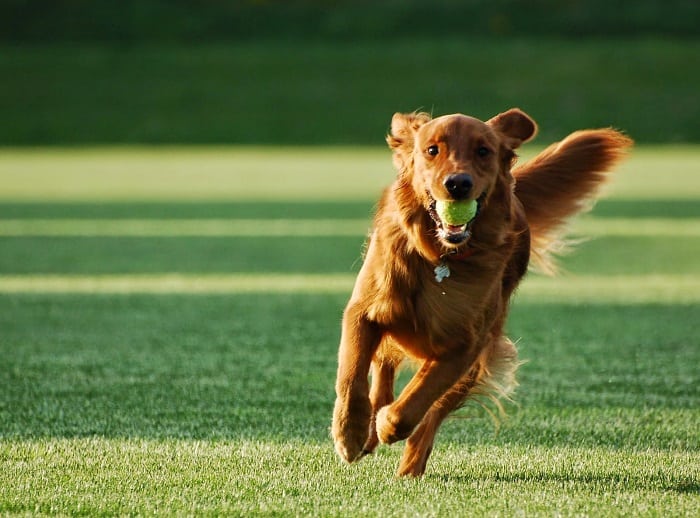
x,y
515,126
403,129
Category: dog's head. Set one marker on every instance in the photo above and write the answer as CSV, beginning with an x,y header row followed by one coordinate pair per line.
x,y
456,158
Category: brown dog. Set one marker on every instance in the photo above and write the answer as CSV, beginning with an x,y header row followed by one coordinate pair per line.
x,y
439,293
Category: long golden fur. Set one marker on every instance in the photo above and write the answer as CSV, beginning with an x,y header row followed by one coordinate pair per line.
x,y
452,322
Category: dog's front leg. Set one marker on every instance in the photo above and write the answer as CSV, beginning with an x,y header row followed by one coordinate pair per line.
x,y
351,415
397,421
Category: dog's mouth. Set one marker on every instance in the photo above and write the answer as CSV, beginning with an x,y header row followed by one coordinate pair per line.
x,y
449,234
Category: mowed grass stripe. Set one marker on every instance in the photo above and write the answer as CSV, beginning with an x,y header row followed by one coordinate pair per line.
x,y
629,289
621,289
229,174
589,226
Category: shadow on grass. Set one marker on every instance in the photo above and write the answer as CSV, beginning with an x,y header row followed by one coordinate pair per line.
x,y
613,208
675,209
189,210
609,480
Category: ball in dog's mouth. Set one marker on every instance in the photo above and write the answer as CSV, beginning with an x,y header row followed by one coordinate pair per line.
x,y
453,219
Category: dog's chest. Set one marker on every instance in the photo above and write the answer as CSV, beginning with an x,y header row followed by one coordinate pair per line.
x,y
450,299
429,314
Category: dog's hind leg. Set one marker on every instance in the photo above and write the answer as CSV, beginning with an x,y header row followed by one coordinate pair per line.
x,y
381,394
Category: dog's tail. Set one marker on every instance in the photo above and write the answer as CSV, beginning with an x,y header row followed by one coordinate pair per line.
x,y
562,181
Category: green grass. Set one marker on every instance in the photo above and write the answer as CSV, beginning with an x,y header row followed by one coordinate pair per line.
x,y
325,92
151,369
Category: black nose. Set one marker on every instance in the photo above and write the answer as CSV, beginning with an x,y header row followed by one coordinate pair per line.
x,y
458,185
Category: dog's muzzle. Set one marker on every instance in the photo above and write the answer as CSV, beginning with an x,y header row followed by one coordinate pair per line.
x,y
453,235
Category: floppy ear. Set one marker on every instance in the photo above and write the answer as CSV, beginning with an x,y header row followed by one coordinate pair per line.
x,y
514,126
403,128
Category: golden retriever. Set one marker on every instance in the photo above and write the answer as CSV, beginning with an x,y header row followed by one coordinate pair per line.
x,y
438,293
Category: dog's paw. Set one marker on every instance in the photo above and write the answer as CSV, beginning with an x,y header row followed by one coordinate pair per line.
x,y
348,451
350,431
415,457
390,426
413,470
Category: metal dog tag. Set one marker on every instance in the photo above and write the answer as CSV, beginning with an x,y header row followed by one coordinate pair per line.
x,y
441,271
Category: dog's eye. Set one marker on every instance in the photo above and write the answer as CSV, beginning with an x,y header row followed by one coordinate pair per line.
x,y
433,150
483,151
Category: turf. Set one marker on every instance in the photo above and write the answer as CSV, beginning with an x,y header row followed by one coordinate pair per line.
x,y
165,372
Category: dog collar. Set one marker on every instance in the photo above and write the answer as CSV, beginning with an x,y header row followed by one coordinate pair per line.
x,y
460,256
442,270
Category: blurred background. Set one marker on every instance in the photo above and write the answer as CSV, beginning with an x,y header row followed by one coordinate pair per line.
x,y
292,72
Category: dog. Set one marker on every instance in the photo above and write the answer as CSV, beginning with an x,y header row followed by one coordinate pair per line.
x,y
438,293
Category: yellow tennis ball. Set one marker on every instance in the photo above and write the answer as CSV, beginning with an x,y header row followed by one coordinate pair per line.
x,y
456,212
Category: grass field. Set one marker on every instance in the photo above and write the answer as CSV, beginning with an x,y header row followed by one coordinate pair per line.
x,y
342,93
169,320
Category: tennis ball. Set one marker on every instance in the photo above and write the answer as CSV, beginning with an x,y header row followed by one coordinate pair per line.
x,y
456,212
